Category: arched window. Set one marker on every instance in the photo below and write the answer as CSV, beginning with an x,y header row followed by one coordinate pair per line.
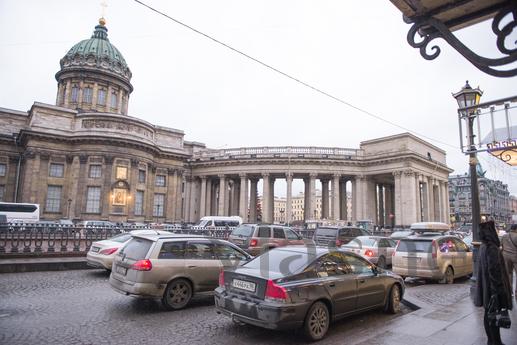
x,y
101,97
75,94
87,95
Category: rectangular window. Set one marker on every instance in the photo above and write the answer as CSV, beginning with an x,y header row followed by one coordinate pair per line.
x,y
158,205
53,203
2,193
75,94
101,97
160,181
95,171
93,200
87,95
114,99
139,203
141,176
121,173
3,169
56,170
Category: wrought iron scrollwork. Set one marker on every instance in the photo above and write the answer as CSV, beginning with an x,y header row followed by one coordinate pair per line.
x,y
506,155
430,28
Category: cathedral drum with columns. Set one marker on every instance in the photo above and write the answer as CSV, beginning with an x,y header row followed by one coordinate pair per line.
x,y
85,158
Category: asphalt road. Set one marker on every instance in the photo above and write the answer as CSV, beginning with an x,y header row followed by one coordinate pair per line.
x,y
79,307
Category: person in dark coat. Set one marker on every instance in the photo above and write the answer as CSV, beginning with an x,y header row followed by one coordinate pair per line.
x,y
492,279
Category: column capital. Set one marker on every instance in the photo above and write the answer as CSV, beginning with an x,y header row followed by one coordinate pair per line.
x,y
265,174
69,159
397,173
202,177
134,163
289,176
313,175
243,175
83,159
409,172
221,176
171,171
108,159
336,176
44,155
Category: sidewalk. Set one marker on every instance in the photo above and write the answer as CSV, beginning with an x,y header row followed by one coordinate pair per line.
x,y
446,315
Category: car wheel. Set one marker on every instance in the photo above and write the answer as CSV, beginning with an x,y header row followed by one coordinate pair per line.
x,y
381,262
317,321
177,294
393,302
448,278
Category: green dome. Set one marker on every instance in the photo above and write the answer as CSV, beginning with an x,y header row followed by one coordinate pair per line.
x,y
96,53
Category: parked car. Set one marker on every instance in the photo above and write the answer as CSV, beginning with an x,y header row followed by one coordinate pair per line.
x,y
210,222
101,253
172,267
259,238
305,286
376,249
432,254
334,236
97,224
397,235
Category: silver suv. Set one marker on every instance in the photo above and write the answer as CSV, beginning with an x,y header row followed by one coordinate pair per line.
x,y
432,254
259,238
172,267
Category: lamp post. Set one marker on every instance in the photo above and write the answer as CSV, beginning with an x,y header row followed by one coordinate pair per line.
x,y
468,97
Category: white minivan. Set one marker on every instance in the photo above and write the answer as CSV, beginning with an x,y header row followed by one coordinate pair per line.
x,y
218,221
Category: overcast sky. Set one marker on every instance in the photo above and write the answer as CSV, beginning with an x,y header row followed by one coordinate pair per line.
x,y
354,50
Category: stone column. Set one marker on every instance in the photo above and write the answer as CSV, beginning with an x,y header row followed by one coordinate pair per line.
x,y
208,198
343,200
243,197
289,198
66,99
108,98
133,180
40,179
272,199
223,189
354,199
360,197
430,189
447,216
324,198
179,195
370,199
187,191
194,200
425,198
94,95
149,192
388,205
418,198
312,195
253,200
202,197
119,102
81,188
397,199
106,188
335,197
73,192
266,185
236,193
382,216
408,196
306,199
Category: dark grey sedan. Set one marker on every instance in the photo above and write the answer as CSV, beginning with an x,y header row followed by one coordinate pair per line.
x,y
300,286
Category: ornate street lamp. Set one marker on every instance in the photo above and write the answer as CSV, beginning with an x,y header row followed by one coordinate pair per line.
x,y
468,97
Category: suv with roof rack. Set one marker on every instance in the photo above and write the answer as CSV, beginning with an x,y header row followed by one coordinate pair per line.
x,y
432,254
172,267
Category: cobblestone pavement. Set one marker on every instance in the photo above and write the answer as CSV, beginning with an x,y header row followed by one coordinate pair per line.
x,y
79,307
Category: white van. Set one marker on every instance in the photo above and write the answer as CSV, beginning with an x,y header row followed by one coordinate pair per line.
x,y
218,221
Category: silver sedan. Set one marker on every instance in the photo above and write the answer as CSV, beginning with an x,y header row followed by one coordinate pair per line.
x,y
376,249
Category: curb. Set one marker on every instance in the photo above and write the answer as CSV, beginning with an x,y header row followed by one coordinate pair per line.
x,y
42,264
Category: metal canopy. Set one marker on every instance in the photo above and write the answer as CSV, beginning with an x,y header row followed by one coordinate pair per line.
x,y
439,18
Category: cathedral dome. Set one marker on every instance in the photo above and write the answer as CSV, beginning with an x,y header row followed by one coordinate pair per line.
x,y
96,52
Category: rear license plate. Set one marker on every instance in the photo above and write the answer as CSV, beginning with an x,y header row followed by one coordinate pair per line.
x,y
121,270
95,249
244,285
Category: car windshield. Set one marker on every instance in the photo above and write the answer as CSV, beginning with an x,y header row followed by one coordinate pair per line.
x,y
361,242
282,261
415,246
201,223
136,249
326,232
121,238
243,231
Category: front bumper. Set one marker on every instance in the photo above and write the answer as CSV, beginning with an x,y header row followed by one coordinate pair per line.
x,y
262,314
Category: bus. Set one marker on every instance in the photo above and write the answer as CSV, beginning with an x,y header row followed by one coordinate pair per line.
x,y
19,212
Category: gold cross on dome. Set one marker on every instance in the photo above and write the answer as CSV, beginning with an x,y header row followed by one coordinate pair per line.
x,y
103,5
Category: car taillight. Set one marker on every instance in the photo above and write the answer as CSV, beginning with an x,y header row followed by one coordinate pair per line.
x,y
339,243
396,247
368,252
108,251
253,242
221,278
142,265
275,292
433,246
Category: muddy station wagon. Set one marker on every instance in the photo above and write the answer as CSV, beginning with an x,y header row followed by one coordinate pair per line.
x,y
172,267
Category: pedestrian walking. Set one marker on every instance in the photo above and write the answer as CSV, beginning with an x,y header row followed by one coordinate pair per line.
x,y
493,290
509,244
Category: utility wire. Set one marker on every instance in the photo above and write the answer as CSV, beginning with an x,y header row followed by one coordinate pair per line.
x,y
294,78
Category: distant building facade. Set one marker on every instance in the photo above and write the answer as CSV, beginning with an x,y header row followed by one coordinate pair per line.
x,y
494,199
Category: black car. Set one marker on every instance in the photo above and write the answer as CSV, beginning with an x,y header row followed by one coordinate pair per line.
x,y
334,236
305,286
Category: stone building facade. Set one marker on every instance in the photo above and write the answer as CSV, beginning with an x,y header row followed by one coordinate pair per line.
x,y
85,158
494,199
